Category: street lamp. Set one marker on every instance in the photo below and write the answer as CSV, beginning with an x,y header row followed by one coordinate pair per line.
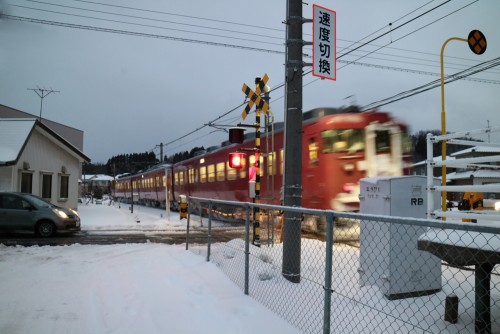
x,y
477,44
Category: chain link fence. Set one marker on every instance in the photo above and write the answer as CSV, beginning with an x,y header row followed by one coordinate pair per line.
x,y
357,273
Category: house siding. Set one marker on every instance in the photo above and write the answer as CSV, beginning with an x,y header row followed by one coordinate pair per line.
x,y
45,157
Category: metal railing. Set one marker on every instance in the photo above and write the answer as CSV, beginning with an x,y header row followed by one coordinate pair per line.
x,y
399,275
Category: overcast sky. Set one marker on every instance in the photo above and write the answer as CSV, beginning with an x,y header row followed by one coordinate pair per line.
x,y
129,93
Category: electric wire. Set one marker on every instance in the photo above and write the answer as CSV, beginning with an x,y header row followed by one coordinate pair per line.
x,y
390,24
140,17
207,27
243,47
433,84
180,15
414,31
134,33
144,25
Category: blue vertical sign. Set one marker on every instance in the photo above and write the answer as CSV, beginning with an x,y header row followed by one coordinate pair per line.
x,y
324,43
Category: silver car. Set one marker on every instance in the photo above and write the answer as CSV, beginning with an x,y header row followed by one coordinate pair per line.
x,y
28,212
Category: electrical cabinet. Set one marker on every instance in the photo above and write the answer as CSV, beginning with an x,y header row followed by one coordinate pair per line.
x,y
389,257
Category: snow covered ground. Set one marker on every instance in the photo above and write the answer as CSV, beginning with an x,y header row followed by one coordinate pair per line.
x,y
158,288
132,288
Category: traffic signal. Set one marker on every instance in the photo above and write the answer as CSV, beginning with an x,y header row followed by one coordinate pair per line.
x,y
236,160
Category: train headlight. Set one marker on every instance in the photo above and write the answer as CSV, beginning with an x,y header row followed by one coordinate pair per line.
x,y
497,206
349,167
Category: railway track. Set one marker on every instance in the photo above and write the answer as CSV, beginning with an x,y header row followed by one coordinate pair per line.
x,y
116,236
197,235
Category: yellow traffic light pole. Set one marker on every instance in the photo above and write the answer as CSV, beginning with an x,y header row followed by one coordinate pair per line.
x,y
477,44
443,124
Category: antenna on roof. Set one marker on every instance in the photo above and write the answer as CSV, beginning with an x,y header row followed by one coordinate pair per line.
x,y
41,92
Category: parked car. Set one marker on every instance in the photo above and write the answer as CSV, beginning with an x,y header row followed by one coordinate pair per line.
x,y
28,212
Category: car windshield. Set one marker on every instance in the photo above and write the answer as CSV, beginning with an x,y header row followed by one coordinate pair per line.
x,y
39,201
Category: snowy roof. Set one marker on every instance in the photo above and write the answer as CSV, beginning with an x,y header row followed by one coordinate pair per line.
x,y
97,177
13,136
478,149
482,173
15,132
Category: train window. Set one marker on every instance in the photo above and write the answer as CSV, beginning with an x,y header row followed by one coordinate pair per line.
x,y
203,174
313,151
282,160
176,178
220,171
407,143
343,140
191,175
243,170
164,181
262,166
382,141
211,173
271,163
231,172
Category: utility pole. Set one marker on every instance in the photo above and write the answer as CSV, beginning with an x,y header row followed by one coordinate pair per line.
x,y
42,93
161,152
292,176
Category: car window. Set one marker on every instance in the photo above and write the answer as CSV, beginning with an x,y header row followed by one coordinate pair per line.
x,y
39,201
12,202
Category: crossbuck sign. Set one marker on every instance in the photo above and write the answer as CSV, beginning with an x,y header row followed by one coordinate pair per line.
x,y
324,43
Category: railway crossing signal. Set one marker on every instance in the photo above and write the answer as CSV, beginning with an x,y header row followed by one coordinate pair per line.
x,y
254,97
236,160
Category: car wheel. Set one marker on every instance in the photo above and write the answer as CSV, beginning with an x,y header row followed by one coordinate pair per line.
x,y
45,229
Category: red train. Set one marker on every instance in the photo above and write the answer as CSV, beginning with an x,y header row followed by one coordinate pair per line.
x,y
340,146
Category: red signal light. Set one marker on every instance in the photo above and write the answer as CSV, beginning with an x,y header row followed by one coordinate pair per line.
x,y
236,160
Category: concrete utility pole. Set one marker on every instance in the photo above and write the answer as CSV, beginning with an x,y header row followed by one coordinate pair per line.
x,y
42,93
161,152
292,178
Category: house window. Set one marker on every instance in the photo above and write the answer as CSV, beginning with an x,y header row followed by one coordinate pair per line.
x,y
63,186
47,186
27,183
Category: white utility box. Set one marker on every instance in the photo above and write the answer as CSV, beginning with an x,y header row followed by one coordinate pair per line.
x,y
389,257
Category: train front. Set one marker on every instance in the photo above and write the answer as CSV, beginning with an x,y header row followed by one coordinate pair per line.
x,y
344,148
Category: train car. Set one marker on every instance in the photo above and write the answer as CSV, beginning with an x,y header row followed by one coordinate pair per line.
x,y
339,147
148,187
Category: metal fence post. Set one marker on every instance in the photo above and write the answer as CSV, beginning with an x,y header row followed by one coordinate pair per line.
x,y
247,247
328,273
187,224
209,235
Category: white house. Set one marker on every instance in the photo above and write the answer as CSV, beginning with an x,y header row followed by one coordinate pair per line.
x,y
35,159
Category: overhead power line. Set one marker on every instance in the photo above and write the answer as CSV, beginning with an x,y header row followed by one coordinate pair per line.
x,y
433,84
135,33
180,15
147,19
212,123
